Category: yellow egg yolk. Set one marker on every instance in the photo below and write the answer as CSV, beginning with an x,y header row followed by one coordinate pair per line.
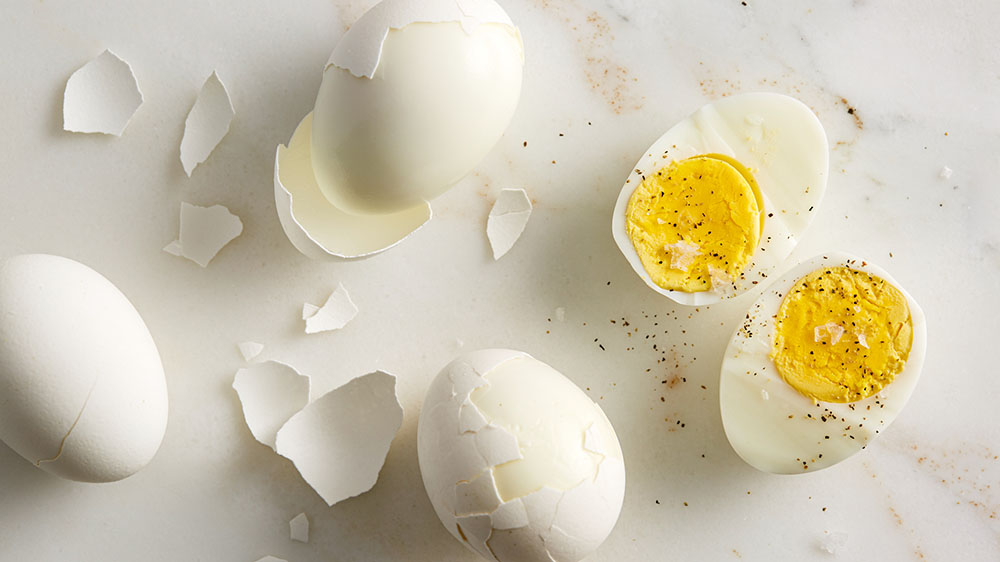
x,y
696,223
841,335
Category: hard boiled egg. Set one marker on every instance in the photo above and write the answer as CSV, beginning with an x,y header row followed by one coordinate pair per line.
x,y
519,463
720,200
82,393
825,360
415,94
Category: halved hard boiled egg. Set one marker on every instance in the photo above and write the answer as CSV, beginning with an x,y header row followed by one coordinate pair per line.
x,y
825,360
415,94
721,199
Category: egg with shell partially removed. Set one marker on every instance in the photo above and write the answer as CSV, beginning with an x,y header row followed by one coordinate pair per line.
x,y
414,96
519,463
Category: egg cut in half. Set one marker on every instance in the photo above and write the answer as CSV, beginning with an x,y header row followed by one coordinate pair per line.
x,y
721,199
824,361
414,96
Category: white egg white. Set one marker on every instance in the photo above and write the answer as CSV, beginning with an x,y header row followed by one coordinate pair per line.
x,y
778,430
783,144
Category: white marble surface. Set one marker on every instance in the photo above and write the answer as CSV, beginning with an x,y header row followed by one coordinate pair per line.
x,y
922,78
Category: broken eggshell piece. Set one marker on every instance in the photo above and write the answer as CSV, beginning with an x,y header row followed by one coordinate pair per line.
x,y
204,231
82,391
507,219
316,227
338,310
101,96
206,124
271,392
518,462
339,442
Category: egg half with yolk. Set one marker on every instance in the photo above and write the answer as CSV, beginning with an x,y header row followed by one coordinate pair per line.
x,y
824,361
720,200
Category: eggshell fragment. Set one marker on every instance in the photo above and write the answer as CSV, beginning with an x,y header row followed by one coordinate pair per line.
x,y
318,229
206,123
250,350
338,310
299,528
204,231
101,96
340,441
462,455
271,393
507,220
360,50
82,391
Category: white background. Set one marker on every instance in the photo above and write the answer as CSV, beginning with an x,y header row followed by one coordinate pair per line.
x,y
923,78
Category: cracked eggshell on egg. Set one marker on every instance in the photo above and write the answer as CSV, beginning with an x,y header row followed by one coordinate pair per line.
x,y
519,463
774,428
780,141
320,230
82,391
414,96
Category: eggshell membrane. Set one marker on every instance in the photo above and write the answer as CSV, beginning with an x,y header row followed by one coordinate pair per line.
x,y
756,402
360,49
315,227
82,391
440,99
783,144
457,466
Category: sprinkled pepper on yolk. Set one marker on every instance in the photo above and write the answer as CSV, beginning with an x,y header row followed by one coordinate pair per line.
x,y
695,221
841,335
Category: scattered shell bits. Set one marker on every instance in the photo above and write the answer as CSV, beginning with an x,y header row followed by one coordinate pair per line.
x,y
101,96
204,232
508,217
271,393
338,310
250,350
298,528
206,124
339,442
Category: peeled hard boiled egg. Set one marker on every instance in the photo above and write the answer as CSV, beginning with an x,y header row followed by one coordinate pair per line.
x,y
415,94
82,392
721,199
825,360
519,463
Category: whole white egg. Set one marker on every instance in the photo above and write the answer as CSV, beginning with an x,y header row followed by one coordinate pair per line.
x,y
519,463
773,425
82,391
415,94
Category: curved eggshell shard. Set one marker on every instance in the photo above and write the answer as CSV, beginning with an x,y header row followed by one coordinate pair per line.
x,y
360,49
774,428
783,144
320,230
